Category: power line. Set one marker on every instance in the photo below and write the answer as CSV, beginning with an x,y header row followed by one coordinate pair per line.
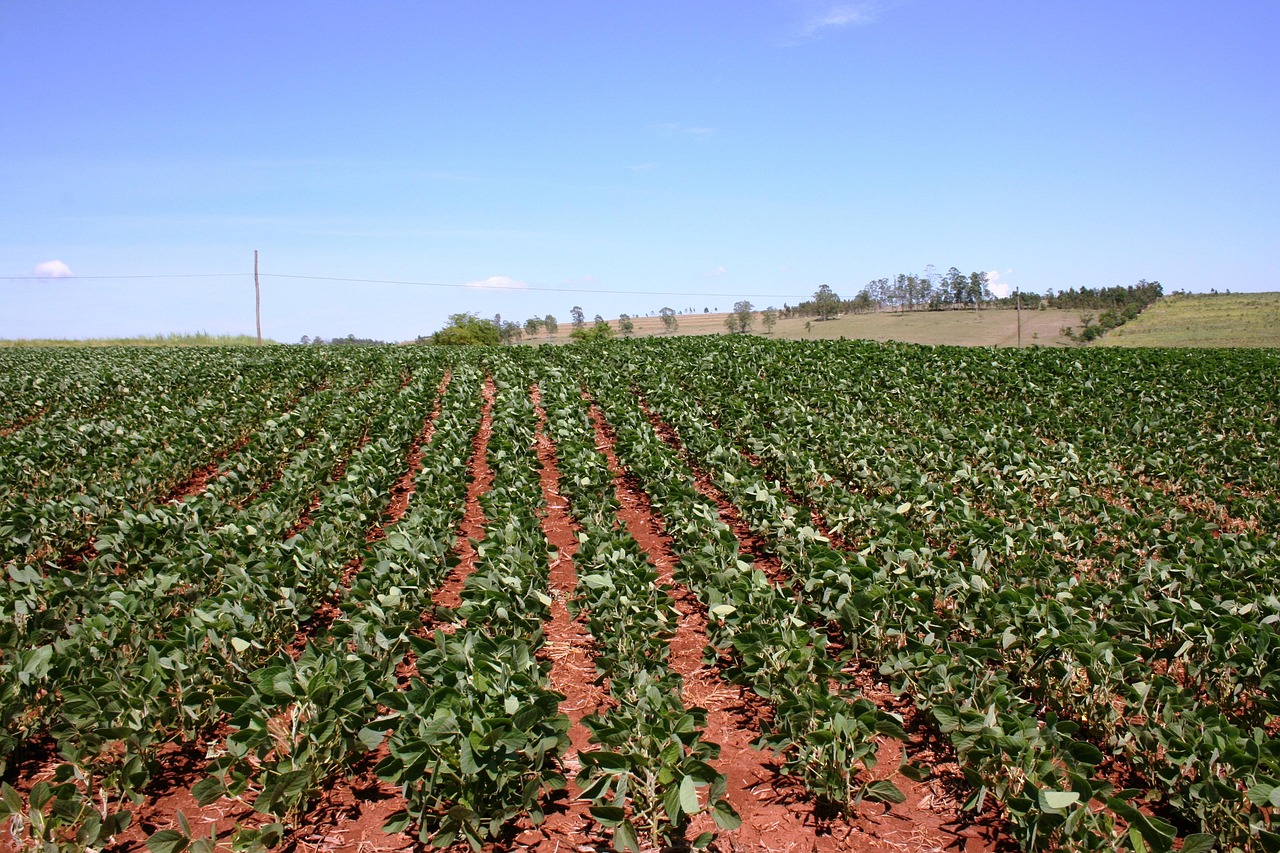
x,y
105,277
471,287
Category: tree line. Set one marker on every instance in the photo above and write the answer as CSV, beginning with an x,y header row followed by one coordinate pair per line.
x,y
955,290
951,291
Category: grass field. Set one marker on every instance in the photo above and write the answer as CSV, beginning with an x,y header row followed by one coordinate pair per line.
x,y
959,328
1226,320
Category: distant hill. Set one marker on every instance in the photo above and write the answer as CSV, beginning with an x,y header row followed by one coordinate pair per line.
x,y
1203,320
962,328
1197,320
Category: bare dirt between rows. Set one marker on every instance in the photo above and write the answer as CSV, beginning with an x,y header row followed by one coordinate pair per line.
x,y
23,423
397,504
774,810
569,825
931,817
351,812
473,521
198,480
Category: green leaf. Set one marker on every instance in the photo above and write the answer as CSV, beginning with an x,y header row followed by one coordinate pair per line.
x,y
884,791
1198,843
12,800
609,815
624,838
606,760
688,795
168,841
208,791
1262,794
371,738
726,817
1058,799
1085,753
915,772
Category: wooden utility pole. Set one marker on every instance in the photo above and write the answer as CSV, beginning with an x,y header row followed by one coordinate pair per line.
x,y
257,296
1018,301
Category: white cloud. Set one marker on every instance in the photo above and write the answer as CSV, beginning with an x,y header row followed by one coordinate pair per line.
x,y
717,272
53,269
498,282
999,288
641,167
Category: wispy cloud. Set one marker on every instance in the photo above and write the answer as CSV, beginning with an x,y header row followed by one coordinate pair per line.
x,y
641,167
842,15
53,269
716,273
498,282
825,16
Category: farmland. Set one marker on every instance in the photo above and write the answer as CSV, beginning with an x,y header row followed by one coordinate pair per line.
x,y
749,593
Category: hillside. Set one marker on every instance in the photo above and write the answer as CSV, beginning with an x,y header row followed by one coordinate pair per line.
x,y
1204,320
1197,320
960,328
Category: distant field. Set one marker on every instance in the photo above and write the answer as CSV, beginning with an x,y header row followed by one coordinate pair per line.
x,y
1225,320
198,339
959,328
1235,320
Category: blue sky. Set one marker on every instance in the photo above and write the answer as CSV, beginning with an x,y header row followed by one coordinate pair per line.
x,y
620,157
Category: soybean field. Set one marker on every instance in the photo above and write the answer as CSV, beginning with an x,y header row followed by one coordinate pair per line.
x,y
721,592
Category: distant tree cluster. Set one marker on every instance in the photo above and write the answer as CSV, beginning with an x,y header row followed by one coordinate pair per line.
x,y
466,329
1118,305
600,330
1116,298
954,290
348,341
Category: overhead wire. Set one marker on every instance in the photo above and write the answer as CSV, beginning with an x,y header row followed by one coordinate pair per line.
x,y
515,288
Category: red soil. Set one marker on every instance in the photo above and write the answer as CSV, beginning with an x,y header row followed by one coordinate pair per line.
x,y
21,423
351,812
573,672
473,520
929,819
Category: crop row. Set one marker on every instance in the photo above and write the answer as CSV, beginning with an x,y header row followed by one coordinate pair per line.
x,y
1065,560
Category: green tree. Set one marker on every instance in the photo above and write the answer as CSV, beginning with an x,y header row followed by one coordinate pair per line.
x,y
625,325
979,292
601,331
669,321
579,318
827,302
510,331
955,287
532,326
769,319
740,320
467,330
550,323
